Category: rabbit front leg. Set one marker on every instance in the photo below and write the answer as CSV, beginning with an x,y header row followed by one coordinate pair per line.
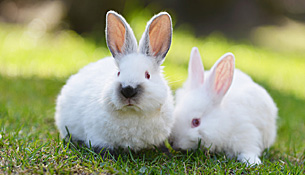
x,y
249,159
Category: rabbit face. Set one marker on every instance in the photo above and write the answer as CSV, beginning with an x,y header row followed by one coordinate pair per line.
x,y
139,84
190,113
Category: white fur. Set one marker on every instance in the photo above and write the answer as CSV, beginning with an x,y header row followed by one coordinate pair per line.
x,y
91,106
242,123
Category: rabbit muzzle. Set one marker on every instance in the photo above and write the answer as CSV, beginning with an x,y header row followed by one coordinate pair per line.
x,y
130,95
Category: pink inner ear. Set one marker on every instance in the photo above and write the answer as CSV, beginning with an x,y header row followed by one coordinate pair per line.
x,y
196,69
224,75
159,34
116,32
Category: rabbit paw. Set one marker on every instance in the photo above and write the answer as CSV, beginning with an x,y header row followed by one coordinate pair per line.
x,y
249,159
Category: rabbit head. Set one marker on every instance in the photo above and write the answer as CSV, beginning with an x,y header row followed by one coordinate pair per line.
x,y
199,101
138,82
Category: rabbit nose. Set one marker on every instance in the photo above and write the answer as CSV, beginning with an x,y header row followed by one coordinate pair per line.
x,y
129,92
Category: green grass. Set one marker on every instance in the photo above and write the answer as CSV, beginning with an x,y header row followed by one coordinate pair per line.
x,y
34,67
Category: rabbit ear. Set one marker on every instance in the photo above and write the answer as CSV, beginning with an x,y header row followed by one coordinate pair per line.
x,y
119,36
156,39
221,76
195,69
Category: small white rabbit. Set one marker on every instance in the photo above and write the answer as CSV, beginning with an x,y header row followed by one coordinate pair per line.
x,y
121,101
224,109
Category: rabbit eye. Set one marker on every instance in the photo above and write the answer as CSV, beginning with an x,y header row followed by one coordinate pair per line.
x,y
195,122
147,75
119,73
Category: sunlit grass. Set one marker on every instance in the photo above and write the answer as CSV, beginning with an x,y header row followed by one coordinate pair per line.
x,y
22,53
289,37
34,67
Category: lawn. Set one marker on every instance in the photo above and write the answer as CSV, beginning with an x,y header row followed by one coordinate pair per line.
x,y
35,65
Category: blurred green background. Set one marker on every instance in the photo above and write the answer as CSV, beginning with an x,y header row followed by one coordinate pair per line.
x,y
43,42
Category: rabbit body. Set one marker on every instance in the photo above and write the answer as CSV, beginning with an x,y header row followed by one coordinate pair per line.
x,y
240,122
94,108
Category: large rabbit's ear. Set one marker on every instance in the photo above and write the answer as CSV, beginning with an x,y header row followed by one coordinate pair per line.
x,y
195,70
221,76
119,36
156,39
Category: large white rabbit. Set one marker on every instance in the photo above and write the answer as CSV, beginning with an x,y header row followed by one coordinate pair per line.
x,y
121,101
225,110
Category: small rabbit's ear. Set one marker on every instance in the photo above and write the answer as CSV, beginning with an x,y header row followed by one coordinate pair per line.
x,y
119,36
221,76
156,39
195,69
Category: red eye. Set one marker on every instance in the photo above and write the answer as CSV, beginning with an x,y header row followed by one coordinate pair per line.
x,y
119,73
195,122
147,75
